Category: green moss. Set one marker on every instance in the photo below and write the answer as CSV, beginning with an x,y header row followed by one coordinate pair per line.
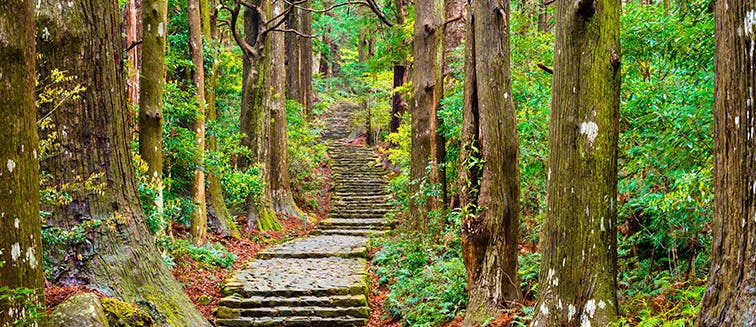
x,y
125,315
268,221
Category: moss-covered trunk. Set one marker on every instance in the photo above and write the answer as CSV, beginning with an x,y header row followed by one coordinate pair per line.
x,y
730,298
255,124
111,250
490,182
199,215
20,238
427,94
152,87
579,238
280,184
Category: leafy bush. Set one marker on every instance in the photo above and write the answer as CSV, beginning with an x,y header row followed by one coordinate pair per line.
x,y
209,254
427,283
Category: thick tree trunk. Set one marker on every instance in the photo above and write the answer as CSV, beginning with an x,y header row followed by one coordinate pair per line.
x,y
255,125
20,237
216,204
199,215
427,94
152,82
491,189
133,29
116,254
456,12
579,243
306,60
280,185
730,298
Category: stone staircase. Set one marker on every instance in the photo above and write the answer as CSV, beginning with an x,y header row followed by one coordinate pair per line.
x,y
320,280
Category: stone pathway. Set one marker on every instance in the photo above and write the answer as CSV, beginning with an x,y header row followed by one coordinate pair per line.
x,y
319,280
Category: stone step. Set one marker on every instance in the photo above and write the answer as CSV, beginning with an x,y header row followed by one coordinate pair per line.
x,y
319,247
353,211
237,302
290,277
356,232
346,222
293,322
285,311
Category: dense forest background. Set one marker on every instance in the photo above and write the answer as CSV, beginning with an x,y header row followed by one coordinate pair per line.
x,y
362,58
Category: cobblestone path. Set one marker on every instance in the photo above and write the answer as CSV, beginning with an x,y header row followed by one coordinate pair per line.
x,y
319,280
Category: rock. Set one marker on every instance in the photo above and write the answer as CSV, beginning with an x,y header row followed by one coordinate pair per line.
x,y
81,310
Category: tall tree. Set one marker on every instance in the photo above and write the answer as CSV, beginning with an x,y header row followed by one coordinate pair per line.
x,y
280,184
133,30
255,118
152,87
398,105
579,244
490,182
427,93
116,254
293,54
216,203
730,298
199,216
20,236
305,58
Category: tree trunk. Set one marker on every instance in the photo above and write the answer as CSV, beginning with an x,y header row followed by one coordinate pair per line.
x,y
20,237
115,253
398,105
255,125
293,55
491,188
152,82
730,298
222,217
133,29
306,60
427,91
280,184
579,243
455,30
199,215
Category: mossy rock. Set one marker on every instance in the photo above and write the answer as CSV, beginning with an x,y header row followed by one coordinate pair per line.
x,y
81,310
121,314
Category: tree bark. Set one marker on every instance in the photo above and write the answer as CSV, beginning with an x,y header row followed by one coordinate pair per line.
x,y
216,204
730,298
306,59
255,125
280,184
115,253
398,105
427,94
133,29
293,55
579,243
152,82
20,235
198,228
491,188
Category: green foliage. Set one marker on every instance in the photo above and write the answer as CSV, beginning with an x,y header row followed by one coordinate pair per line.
x,y
208,254
28,299
306,156
666,146
426,282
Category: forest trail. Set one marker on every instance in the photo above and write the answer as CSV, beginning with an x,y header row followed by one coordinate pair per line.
x,y
319,280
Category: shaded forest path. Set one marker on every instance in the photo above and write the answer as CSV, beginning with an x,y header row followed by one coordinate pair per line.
x,y
319,280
